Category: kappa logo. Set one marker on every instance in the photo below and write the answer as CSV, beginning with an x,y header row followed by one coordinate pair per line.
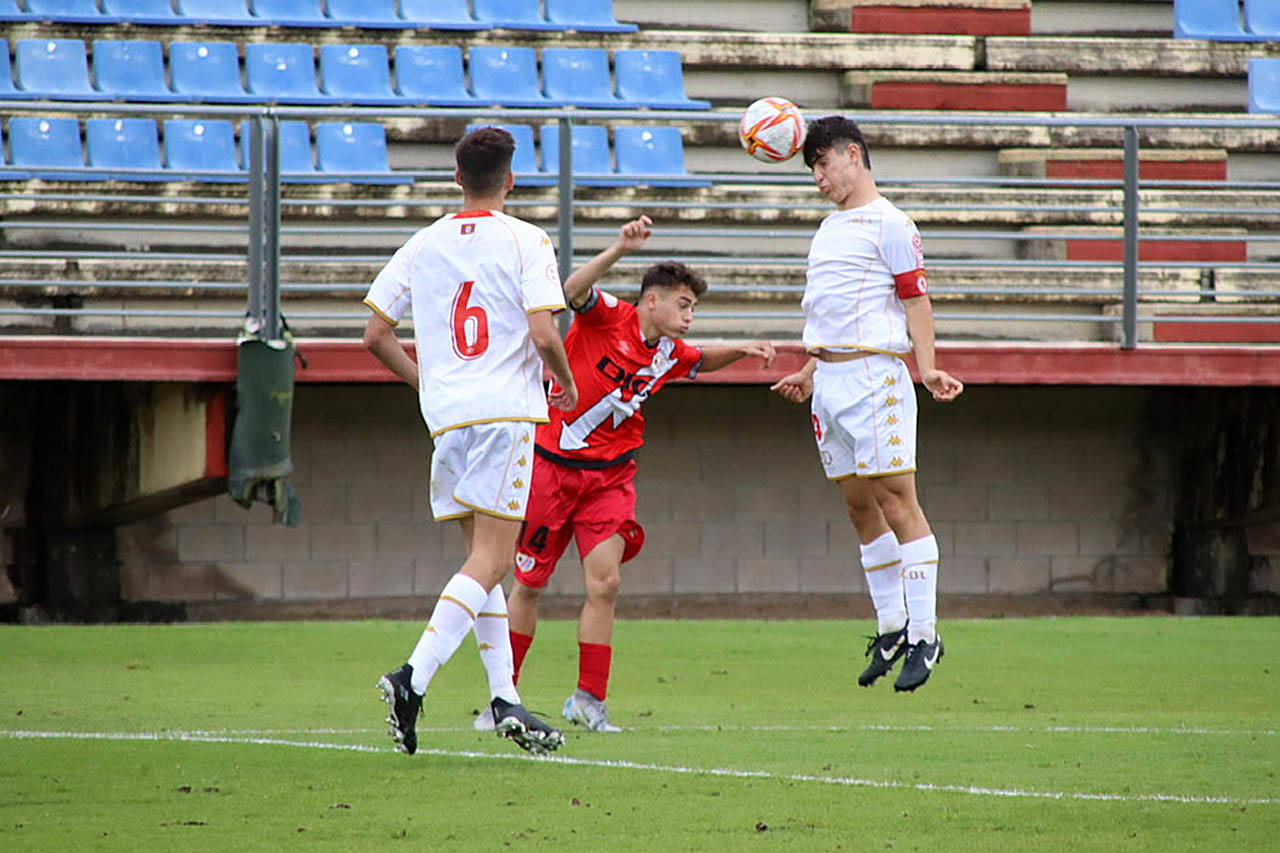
x,y
522,461
518,484
513,505
892,420
893,439
891,400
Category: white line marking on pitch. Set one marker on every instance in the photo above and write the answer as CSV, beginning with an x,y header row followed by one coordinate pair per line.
x,y
847,781
1108,730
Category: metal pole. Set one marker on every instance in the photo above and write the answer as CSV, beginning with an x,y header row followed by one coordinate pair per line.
x,y
271,245
1129,339
257,192
564,220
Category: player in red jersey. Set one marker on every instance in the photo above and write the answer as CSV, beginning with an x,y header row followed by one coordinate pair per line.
x,y
583,473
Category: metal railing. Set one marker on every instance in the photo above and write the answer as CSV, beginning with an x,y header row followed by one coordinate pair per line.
x,y
263,241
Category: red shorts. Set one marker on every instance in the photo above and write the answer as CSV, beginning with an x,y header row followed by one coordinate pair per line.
x,y
589,506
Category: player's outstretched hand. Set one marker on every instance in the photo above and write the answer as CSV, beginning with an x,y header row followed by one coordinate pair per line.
x,y
942,385
796,387
564,399
635,234
761,349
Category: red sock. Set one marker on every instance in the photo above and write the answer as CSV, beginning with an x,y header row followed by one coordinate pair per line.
x,y
593,668
520,644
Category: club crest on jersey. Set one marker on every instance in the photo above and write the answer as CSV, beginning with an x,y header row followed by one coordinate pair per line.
x,y
524,562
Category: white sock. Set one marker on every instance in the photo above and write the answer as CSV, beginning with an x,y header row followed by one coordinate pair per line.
x,y
920,578
455,612
493,637
882,564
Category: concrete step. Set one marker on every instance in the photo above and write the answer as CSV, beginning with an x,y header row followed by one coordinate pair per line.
x,y
962,17
1095,55
1108,163
1089,248
960,90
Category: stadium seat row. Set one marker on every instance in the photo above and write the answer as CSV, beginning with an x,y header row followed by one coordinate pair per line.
x,y
130,147
585,15
1264,85
645,155
285,73
1219,20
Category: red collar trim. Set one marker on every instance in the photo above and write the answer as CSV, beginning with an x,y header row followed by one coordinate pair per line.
x,y
472,214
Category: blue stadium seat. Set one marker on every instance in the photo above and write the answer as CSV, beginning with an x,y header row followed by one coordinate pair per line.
x,y
513,14
207,71
440,15
7,91
223,13
654,78
653,151
355,147
10,11
580,77
357,74
1262,17
127,144
367,14
590,155
131,71
36,143
524,162
507,76
282,73
55,68
291,13
202,145
1264,85
68,12
1216,20
595,16
158,12
432,74
297,165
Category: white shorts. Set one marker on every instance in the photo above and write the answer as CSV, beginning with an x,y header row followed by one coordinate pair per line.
x,y
864,417
483,468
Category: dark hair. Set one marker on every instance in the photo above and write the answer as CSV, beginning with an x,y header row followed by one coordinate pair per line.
x,y
484,159
672,274
828,133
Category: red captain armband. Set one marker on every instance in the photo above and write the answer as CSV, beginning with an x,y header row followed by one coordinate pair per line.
x,y
911,284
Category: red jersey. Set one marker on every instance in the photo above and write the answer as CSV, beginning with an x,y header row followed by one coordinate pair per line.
x,y
616,371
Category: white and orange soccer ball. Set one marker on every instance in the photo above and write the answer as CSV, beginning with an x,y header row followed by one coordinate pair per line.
x,y
772,130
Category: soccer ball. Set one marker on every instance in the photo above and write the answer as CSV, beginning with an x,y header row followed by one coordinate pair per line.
x,y
771,130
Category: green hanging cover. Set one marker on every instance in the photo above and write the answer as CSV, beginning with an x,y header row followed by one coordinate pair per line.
x,y
259,463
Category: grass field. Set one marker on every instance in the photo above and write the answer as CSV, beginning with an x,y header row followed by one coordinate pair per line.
x,y
1098,734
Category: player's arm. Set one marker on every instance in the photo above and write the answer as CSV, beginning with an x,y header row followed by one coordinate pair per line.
x,y
546,337
941,384
632,236
797,387
380,338
716,357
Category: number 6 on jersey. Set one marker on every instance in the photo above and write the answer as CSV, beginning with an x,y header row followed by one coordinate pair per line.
x,y
468,319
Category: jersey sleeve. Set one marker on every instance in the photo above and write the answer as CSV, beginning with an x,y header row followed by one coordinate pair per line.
x,y
904,254
600,309
540,283
390,295
688,360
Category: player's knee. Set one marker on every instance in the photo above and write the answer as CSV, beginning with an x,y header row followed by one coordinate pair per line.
x,y
526,594
604,586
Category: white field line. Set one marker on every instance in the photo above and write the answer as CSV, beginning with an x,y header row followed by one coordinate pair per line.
x,y
1107,730
845,781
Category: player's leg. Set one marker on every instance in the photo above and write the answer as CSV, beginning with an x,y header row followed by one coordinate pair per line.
x,y
603,577
608,535
843,394
919,553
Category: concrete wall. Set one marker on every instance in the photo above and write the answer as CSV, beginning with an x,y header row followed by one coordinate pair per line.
x,y
1030,491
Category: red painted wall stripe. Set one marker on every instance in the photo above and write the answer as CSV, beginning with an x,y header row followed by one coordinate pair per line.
x,y
946,21
899,95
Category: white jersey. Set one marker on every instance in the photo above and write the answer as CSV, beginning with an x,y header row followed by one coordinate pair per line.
x,y
862,263
471,278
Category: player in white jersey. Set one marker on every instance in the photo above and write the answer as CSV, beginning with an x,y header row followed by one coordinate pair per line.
x,y
866,307
482,287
